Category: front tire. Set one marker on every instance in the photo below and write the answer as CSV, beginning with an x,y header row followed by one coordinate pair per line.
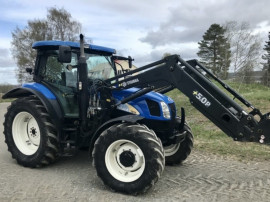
x,y
177,153
30,134
128,158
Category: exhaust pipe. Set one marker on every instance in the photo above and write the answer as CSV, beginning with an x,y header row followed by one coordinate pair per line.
x,y
82,85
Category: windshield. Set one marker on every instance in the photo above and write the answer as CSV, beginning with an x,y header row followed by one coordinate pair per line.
x,y
65,74
99,67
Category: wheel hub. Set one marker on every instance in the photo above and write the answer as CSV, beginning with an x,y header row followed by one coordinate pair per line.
x,y
127,158
26,133
33,132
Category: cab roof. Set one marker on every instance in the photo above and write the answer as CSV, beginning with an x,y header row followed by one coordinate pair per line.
x,y
76,45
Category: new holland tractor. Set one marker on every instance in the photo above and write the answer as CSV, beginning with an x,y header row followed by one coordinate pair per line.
x,y
83,97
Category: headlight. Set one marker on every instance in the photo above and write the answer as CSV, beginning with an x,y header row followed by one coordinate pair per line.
x,y
128,108
165,110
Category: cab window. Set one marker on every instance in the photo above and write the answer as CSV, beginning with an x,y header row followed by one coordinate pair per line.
x,y
60,73
99,67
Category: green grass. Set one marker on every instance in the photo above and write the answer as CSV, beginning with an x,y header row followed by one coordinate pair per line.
x,y
6,100
4,88
209,138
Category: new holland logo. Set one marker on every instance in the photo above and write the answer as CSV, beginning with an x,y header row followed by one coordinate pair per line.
x,y
130,82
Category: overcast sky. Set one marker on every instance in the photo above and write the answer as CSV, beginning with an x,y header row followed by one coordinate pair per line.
x,y
143,29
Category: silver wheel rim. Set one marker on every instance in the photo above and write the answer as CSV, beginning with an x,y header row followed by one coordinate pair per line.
x,y
171,149
26,133
117,169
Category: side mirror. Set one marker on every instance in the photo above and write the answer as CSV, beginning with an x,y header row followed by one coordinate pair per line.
x,y
64,54
29,70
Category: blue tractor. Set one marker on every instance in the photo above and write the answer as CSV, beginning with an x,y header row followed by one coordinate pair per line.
x,y
84,97
72,104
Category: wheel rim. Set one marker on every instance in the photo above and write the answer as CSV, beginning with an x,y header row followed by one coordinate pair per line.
x,y
171,149
26,133
125,161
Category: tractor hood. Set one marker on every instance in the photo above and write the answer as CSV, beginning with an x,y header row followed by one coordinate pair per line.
x,y
151,96
148,105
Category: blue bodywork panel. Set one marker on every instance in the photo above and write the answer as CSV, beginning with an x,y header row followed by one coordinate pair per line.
x,y
140,102
44,44
40,88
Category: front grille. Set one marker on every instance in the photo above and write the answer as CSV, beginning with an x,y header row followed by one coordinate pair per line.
x,y
153,107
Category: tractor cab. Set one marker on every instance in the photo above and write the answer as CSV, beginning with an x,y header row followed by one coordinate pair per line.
x,y
62,77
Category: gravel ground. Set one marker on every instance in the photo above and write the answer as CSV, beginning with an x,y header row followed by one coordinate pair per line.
x,y
202,177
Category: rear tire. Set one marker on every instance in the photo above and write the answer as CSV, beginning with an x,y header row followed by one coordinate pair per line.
x,y
177,153
30,134
128,158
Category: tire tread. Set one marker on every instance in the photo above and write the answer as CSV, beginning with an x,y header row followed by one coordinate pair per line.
x,y
49,152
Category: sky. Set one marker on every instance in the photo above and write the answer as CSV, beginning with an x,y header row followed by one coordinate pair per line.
x,y
143,29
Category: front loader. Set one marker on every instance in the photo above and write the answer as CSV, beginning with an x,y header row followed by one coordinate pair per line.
x,y
84,96
190,78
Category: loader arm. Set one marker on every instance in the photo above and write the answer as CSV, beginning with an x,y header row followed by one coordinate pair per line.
x,y
173,72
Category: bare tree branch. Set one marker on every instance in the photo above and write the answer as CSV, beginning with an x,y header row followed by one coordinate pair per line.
x,y
59,25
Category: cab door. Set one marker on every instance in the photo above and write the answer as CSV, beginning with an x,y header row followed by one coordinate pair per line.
x,y
61,79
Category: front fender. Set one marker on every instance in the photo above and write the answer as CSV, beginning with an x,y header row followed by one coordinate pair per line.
x,y
127,118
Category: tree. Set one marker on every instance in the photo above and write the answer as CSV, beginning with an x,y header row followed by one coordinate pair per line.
x,y
22,51
266,64
214,50
62,26
245,47
58,26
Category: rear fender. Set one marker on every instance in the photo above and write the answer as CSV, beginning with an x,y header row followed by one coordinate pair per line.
x,y
127,118
52,106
